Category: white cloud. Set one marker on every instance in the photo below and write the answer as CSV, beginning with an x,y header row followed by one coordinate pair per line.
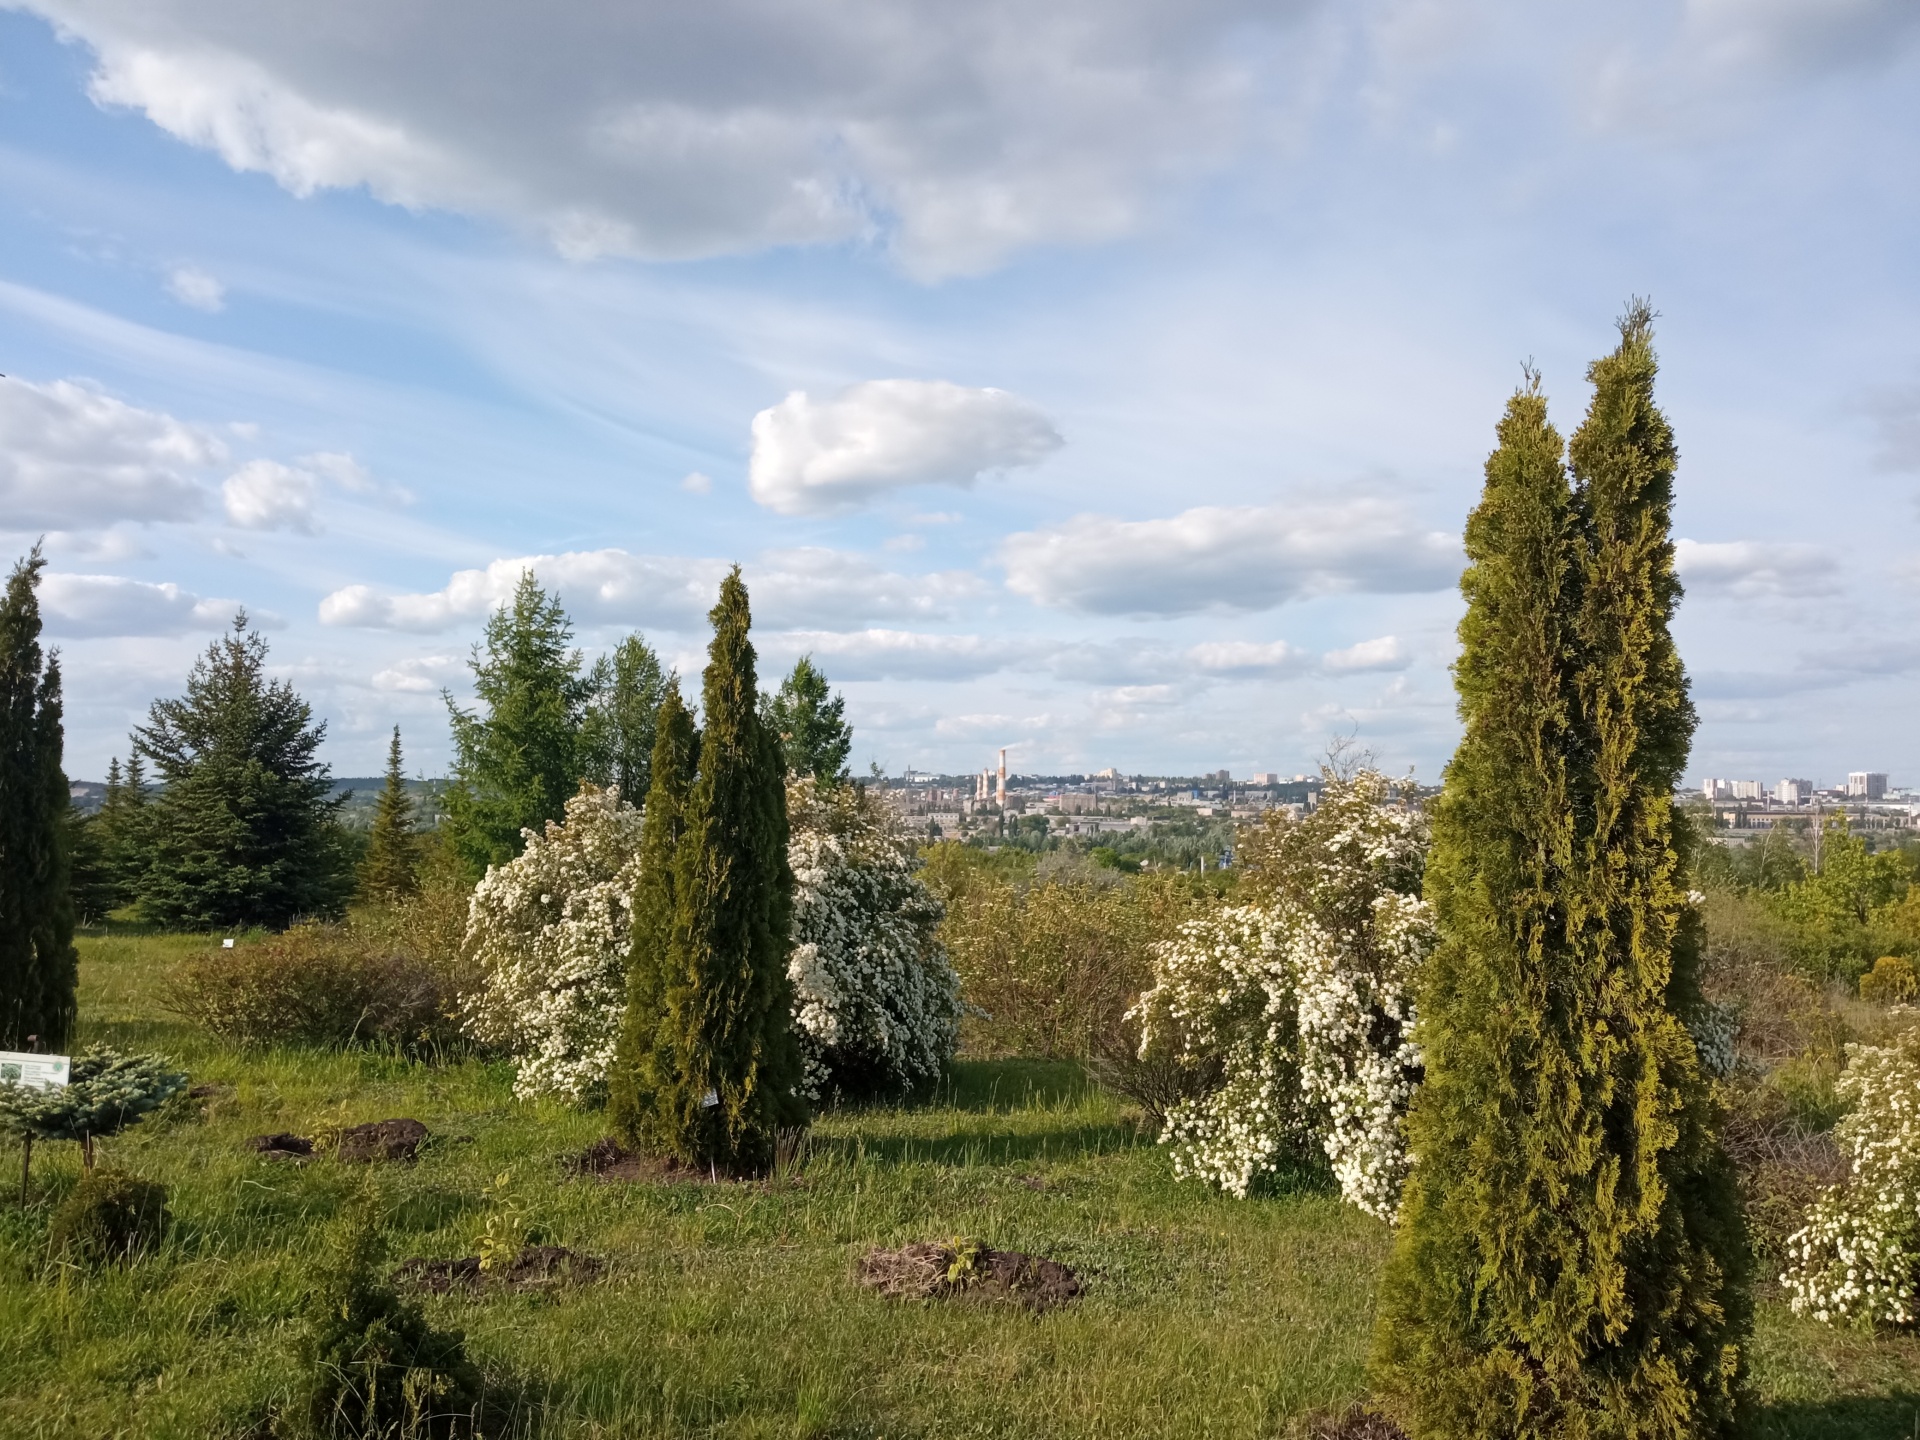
x,y
417,675
879,654
1247,657
1757,569
1385,653
74,458
811,585
886,435
696,483
86,606
349,474
959,133
1220,558
266,495
597,587
196,288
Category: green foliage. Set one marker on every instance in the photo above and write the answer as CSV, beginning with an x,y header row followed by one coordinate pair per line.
x,y
735,1069
811,724
1892,981
371,1364
110,847
322,985
38,964
108,1218
104,1094
617,731
242,831
641,1083
1571,1260
1833,910
390,868
516,766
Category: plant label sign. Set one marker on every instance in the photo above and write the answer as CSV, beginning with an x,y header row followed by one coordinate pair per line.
x,y
34,1072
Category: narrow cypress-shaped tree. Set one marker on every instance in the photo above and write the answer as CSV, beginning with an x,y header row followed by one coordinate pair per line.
x,y
641,1081
390,868
39,967
735,1063
1569,1261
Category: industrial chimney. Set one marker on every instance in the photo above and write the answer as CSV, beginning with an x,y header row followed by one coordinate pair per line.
x,y
1003,777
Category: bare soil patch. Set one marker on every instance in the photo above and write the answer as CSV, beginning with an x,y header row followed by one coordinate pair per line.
x,y
608,1159
538,1267
380,1140
1357,1422
296,1148
940,1272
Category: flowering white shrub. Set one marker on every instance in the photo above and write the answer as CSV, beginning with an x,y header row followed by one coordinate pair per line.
x,y
1858,1257
876,1002
1304,999
550,931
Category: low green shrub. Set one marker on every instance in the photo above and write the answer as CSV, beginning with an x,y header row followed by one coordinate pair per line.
x,y
371,1365
321,985
1892,981
110,1217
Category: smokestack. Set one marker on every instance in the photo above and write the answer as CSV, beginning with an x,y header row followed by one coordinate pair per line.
x,y
1003,777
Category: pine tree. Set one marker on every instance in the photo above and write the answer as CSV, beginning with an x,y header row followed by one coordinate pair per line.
x,y
1569,1259
734,1063
39,967
243,829
618,732
516,766
641,1081
811,723
390,868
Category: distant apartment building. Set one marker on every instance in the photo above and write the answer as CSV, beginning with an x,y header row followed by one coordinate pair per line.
x,y
1748,790
1793,792
1717,789
1266,777
1866,785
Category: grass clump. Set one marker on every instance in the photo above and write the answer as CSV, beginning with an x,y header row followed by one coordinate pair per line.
x,y
109,1218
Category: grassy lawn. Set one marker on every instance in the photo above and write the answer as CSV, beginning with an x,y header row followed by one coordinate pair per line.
x,y
728,1310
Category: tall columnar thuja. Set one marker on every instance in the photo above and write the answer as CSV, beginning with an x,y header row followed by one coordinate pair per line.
x,y
39,968
640,1082
1570,1261
724,1070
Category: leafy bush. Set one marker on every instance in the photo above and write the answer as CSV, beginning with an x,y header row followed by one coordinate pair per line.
x,y
1303,999
1892,981
109,1217
371,1363
876,1001
550,930
320,984
1858,1257
1838,914
105,1092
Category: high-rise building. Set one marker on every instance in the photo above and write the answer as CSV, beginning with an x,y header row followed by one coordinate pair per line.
x,y
1748,790
1866,785
1793,792
1717,789
1266,777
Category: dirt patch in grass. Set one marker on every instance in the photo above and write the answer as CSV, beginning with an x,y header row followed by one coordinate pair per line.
x,y
1356,1422
296,1148
608,1159
939,1272
380,1140
538,1267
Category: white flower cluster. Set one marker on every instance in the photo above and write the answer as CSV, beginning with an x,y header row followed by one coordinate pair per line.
x,y
1304,1004
876,1001
1858,1257
551,930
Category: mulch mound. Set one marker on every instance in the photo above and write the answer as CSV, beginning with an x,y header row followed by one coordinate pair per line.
x,y
608,1159
928,1272
381,1140
282,1147
1357,1422
538,1267
358,1144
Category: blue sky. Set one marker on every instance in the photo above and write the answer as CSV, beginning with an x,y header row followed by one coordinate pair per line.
x,y
1106,380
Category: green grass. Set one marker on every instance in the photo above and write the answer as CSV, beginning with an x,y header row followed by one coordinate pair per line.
x,y
728,1310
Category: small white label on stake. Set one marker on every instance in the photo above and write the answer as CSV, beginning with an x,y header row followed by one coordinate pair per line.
x,y
711,1099
34,1072
226,944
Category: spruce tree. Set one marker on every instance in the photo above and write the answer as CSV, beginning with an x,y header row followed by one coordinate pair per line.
x,y
811,723
618,732
516,766
730,1083
243,829
641,1081
39,967
390,868
1569,1260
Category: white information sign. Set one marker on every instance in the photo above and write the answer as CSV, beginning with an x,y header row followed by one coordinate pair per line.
x,y
36,1072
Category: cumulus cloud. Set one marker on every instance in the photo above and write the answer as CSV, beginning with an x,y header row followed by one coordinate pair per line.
x,y
417,675
1247,657
89,606
1385,653
959,133
878,654
342,470
1757,569
266,495
814,456
596,586
1229,558
196,288
74,458
811,585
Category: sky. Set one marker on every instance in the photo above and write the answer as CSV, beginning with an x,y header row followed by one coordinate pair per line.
x,y
1105,379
